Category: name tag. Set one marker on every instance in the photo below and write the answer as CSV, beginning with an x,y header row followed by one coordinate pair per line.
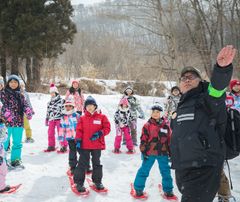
x,y
97,122
163,130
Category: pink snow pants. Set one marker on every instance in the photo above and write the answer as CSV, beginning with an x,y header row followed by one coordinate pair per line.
x,y
51,132
3,171
118,139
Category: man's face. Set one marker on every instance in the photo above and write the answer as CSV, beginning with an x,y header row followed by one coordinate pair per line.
x,y
188,81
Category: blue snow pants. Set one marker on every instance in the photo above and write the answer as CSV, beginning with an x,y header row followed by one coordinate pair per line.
x,y
164,168
16,133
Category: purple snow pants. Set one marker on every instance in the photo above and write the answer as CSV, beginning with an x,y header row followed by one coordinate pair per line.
x,y
51,132
119,133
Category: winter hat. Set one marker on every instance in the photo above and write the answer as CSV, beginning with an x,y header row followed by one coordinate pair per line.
x,y
192,70
128,88
69,101
124,101
90,101
53,89
75,81
175,88
13,77
233,83
157,106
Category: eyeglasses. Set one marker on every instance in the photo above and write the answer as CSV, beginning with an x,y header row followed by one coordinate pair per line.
x,y
189,77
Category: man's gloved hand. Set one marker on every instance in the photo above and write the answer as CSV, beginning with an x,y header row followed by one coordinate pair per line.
x,y
141,116
78,143
96,135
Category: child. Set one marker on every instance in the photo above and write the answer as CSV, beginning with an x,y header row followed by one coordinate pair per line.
x,y
122,120
67,132
134,108
27,128
3,166
155,146
13,110
235,93
92,127
76,92
1,83
172,101
54,113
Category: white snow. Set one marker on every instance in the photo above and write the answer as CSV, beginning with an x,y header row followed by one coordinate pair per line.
x,y
44,178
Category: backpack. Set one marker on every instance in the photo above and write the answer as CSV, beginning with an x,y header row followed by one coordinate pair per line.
x,y
232,134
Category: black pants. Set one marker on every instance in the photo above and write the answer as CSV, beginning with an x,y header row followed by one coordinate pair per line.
x,y
83,163
72,157
199,184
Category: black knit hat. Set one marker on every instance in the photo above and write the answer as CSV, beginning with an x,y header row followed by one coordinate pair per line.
x,y
90,101
157,106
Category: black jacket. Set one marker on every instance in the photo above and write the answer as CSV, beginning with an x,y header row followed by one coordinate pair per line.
x,y
199,126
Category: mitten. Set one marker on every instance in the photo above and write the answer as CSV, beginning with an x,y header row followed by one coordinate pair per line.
x,y
1,160
78,143
96,135
60,138
46,122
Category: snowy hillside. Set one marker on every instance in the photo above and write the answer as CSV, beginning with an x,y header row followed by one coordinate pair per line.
x,y
44,178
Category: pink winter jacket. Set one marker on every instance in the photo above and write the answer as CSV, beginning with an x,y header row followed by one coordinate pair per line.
x,y
78,100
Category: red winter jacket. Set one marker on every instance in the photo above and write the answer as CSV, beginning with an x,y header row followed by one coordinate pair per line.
x,y
155,138
89,124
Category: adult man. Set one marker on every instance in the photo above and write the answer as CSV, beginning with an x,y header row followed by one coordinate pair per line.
x,y
198,126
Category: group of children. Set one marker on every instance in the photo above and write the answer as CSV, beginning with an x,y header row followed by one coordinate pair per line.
x,y
85,133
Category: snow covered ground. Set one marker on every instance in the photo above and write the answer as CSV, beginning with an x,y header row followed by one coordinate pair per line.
x,y
44,178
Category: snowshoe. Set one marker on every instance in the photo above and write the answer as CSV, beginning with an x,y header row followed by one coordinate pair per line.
x,y
167,195
131,151
50,149
10,189
117,151
15,165
62,150
97,187
138,194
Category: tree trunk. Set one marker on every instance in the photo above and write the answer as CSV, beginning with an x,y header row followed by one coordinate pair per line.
x,y
29,73
3,66
14,65
36,65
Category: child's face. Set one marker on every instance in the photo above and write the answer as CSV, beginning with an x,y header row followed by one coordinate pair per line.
x,y
236,88
156,114
75,85
53,94
13,84
68,107
175,92
129,92
124,106
90,108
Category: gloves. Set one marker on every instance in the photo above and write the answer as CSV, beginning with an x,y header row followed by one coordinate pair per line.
x,y
144,156
60,138
46,122
78,143
141,116
96,135
7,116
1,160
28,112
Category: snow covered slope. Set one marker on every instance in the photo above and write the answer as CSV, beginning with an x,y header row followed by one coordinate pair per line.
x,y
45,180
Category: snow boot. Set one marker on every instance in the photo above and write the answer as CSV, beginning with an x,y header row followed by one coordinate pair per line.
x,y
16,163
139,193
50,148
99,186
6,189
168,194
29,140
63,149
80,188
